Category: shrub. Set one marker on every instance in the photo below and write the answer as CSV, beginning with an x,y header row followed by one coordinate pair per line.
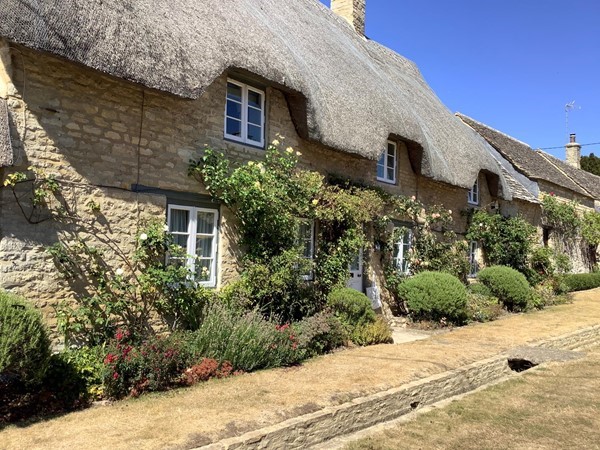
x,y
510,286
153,365
24,343
480,289
207,368
435,296
248,341
320,334
545,294
76,376
581,281
481,307
353,308
378,332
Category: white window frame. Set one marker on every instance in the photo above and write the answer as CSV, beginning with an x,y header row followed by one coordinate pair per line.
x,y
473,262
193,235
301,242
244,119
473,196
399,256
383,162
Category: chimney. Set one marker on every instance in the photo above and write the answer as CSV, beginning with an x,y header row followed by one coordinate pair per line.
x,y
573,152
353,11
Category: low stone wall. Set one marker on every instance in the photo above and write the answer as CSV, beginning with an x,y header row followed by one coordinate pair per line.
x,y
328,423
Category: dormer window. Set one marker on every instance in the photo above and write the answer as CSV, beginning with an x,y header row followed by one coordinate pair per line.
x,y
387,164
245,114
473,197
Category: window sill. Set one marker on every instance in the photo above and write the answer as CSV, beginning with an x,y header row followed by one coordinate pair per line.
x,y
244,144
383,180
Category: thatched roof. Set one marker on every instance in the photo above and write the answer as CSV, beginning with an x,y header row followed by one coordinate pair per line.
x,y
6,152
345,91
588,181
523,157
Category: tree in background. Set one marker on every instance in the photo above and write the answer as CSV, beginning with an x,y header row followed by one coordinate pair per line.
x,y
591,164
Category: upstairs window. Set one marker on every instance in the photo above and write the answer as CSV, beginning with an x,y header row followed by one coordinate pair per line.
x,y
306,242
387,164
473,264
473,197
245,114
400,255
195,230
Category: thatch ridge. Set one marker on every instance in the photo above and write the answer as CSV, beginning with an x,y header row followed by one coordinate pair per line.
x,y
522,156
357,92
6,152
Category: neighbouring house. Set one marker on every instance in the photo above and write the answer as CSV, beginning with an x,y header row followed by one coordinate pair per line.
x,y
542,174
114,97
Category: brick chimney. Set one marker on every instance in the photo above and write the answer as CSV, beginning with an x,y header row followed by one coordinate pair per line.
x,y
573,152
353,11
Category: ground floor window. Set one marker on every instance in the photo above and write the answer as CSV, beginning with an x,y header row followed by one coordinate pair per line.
x,y
401,249
195,230
473,264
306,241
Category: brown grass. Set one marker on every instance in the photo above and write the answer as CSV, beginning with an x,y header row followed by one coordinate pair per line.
x,y
219,408
552,407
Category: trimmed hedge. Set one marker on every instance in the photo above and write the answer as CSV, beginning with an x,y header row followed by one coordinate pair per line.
x,y
510,286
435,296
24,342
581,281
353,308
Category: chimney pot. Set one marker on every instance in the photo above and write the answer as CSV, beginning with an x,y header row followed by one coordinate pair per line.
x,y
573,150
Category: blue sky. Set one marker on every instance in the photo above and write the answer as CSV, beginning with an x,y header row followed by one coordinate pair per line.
x,y
512,64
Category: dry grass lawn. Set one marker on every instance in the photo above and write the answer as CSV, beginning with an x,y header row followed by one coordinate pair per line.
x,y
223,408
552,407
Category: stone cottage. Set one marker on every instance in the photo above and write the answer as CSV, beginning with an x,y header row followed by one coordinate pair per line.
x,y
114,97
543,174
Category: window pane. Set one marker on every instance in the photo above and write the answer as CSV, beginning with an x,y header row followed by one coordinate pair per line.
x,y
179,220
391,149
391,161
380,166
204,247
234,92
254,99
254,116
206,222
254,133
181,240
234,110
234,127
390,173
203,269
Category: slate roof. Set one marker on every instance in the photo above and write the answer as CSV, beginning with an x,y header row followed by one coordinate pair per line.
x,y
345,91
523,157
588,181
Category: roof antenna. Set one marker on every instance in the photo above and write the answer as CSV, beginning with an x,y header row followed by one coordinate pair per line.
x,y
568,108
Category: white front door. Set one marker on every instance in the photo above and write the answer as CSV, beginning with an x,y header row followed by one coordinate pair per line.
x,y
356,273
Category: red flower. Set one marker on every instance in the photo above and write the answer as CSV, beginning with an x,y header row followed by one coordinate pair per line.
x,y
115,375
110,358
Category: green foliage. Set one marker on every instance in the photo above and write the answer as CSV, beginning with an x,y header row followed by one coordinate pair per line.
x,y
505,240
351,307
75,377
130,295
561,216
590,228
320,333
276,288
508,285
249,341
480,289
377,332
581,281
546,294
482,307
547,262
435,296
24,343
591,164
